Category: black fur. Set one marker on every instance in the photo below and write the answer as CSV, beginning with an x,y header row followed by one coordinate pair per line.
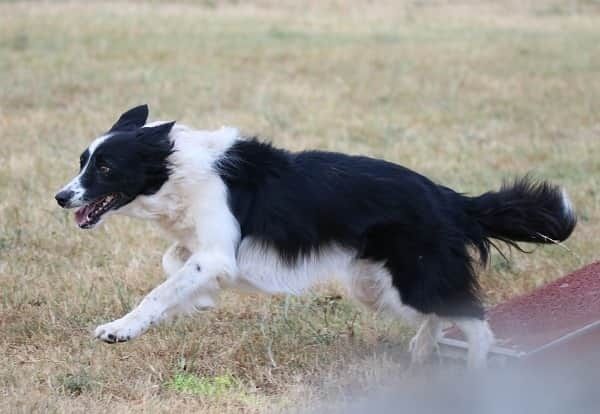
x,y
525,211
422,232
137,159
132,119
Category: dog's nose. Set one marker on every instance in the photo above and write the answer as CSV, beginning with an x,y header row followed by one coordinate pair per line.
x,y
63,197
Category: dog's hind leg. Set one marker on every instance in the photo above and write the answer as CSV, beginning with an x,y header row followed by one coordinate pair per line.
x,y
424,343
479,338
370,283
174,259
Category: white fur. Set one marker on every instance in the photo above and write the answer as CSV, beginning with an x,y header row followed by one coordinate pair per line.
x,y
174,258
424,343
479,338
261,269
477,333
192,208
567,205
75,184
207,254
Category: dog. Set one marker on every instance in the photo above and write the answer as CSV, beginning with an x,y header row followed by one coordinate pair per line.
x,y
245,215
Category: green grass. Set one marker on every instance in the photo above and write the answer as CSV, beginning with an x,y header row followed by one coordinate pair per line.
x,y
467,93
203,386
74,384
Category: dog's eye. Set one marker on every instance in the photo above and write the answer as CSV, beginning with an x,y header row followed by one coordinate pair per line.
x,y
104,169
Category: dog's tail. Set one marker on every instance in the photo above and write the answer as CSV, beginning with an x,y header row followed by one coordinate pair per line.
x,y
523,211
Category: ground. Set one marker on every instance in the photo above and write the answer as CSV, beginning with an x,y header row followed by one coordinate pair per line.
x,y
467,92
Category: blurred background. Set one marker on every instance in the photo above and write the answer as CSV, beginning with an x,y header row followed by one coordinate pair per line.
x,y
468,93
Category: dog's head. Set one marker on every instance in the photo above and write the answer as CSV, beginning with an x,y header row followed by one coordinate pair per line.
x,y
130,160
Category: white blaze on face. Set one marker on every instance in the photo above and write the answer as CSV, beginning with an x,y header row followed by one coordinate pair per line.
x,y
75,184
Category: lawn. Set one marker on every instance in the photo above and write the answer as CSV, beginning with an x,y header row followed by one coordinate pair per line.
x,y
468,93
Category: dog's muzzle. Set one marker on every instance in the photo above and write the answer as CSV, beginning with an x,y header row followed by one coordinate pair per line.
x,y
64,197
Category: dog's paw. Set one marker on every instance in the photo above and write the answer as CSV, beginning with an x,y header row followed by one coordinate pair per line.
x,y
121,330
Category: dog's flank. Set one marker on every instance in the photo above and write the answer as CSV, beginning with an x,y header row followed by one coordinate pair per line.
x,y
248,216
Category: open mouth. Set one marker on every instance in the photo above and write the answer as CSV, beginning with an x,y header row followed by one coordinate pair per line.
x,y
90,214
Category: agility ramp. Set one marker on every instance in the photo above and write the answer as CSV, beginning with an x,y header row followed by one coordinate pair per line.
x,y
559,318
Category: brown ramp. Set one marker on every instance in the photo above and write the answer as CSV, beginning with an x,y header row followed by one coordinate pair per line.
x,y
560,319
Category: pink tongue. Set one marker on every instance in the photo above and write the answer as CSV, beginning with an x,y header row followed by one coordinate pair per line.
x,y
81,214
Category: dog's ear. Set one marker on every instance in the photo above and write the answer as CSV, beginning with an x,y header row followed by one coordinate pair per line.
x,y
155,133
133,119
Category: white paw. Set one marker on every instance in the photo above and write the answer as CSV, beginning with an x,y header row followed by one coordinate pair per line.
x,y
121,330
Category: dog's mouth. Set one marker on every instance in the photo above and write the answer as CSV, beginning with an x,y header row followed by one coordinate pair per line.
x,y
90,214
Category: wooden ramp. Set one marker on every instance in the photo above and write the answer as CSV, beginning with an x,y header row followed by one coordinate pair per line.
x,y
558,319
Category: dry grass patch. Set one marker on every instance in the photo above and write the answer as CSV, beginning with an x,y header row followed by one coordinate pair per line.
x,y
468,93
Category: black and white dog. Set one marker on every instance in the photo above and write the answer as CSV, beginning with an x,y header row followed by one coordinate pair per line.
x,y
248,216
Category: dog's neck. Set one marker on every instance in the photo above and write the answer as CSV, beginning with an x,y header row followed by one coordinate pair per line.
x,y
193,159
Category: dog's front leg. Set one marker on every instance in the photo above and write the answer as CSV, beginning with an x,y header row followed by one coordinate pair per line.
x,y
194,287
174,259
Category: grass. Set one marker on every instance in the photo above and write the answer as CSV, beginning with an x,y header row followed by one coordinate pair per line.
x,y
74,384
211,387
468,93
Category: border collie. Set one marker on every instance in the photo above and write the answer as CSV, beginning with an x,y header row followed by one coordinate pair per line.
x,y
245,215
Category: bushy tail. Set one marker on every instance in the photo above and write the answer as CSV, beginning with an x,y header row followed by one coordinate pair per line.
x,y
524,211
